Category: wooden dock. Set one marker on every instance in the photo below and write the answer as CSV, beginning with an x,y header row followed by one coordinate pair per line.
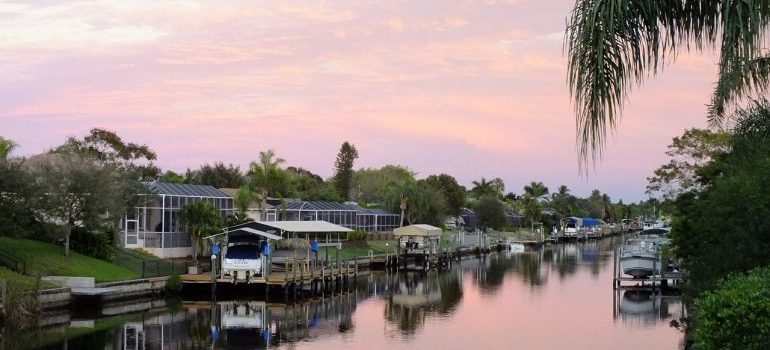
x,y
293,278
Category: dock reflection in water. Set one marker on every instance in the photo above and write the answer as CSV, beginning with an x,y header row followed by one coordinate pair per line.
x,y
488,302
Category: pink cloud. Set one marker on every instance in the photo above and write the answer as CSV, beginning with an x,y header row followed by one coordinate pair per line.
x,y
469,89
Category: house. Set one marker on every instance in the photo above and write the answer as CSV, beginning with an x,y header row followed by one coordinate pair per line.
x,y
254,211
154,224
347,215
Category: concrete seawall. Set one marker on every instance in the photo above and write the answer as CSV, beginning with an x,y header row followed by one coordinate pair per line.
x,y
84,289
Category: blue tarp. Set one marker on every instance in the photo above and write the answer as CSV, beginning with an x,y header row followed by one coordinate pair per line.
x,y
585,222
588,222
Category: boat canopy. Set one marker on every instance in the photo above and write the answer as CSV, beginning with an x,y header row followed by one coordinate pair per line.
x,y
417,230
585,222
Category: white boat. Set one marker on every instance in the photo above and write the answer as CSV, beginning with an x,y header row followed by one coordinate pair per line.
x,y
242,259
516,247
640,257
574,227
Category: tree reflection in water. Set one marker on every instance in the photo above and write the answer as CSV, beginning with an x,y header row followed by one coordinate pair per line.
x,y
417,294
408,300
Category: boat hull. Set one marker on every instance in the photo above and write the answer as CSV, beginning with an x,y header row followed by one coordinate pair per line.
x,y
639,266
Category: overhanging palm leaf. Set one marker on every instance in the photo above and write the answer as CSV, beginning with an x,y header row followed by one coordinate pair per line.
x,y
613,44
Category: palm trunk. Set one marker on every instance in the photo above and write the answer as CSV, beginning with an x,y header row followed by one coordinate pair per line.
x,y
263,205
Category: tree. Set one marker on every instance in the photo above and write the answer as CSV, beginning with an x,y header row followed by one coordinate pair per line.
x,y
201,217
564,202
596,204
536,190
730,208
612,45
689,152
6,147
311,187
78,192
243,199
219,175
107,147
267,177
483,188
172,177
490,212
17,198
452,191
421,203
373,185
135,163
499,186
343,169
532,209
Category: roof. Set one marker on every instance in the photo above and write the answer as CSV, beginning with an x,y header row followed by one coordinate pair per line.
x,y
317,205
317,226
248,230
186,190
417,230
334,206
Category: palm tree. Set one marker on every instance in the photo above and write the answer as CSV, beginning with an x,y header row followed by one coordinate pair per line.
x,y
498,186
200,217
265,175
6,147
613,45
484,188
563,201
243,199
536,190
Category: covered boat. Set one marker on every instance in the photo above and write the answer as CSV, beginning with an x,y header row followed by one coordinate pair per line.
x,y
640,256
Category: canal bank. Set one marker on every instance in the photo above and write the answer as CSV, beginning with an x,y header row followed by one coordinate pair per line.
x,y
494,301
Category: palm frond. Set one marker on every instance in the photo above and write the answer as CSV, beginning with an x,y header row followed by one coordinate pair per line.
x,y
614,44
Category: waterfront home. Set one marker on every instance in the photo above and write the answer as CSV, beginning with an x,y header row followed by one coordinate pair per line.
x,y
154,224
255,212
347,215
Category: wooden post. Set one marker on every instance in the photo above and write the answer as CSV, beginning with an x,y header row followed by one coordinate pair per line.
x,y
654,270
614,268
286,272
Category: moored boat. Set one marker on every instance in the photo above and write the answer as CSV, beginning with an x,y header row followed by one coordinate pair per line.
x,y
640,256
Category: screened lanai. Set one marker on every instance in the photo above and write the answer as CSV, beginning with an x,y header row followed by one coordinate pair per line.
x,y
353,217
154,224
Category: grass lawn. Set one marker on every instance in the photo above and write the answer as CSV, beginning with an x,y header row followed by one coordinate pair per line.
x,y
17,280
377,247
44,259
147,265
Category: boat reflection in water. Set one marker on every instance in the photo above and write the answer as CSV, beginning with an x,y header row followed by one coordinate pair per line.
x,y
517,293
645,308
236,324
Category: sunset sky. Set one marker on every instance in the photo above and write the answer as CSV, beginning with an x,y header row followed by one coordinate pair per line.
x,y
468,88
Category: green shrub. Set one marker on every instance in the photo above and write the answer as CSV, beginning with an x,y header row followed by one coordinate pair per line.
x,y
96,244
736,315
174,285
357,236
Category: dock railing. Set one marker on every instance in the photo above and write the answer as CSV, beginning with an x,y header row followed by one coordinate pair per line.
x,y
147,266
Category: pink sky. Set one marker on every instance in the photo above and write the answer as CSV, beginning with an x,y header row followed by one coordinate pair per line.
x,y
469,88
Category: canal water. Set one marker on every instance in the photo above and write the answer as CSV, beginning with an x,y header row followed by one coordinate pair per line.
x,y
555,297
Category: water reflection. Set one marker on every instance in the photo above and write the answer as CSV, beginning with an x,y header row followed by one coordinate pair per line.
x,y
406,301
647,309
417,295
